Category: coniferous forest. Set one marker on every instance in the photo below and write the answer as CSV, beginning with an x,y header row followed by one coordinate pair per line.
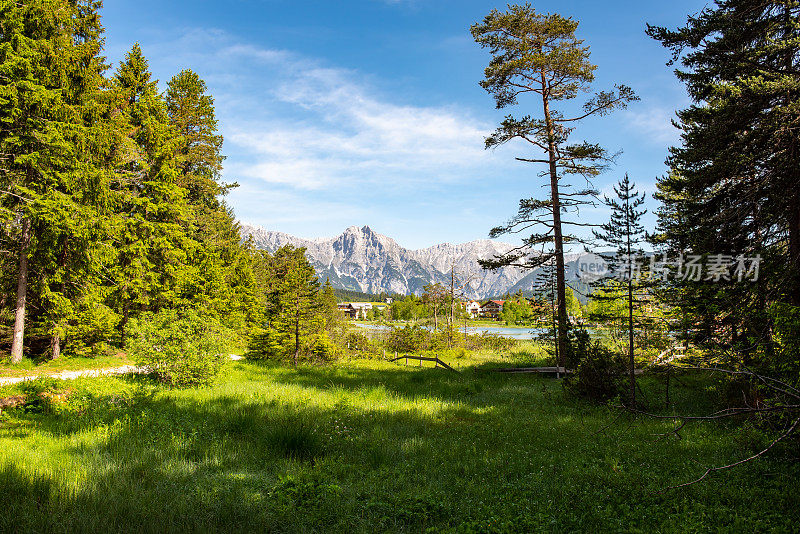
x,y
159,372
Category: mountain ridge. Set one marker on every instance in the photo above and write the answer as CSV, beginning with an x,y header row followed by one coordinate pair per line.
x,y
360,259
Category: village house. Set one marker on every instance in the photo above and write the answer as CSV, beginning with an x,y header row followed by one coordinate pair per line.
x,y
472,308
491,308
355,310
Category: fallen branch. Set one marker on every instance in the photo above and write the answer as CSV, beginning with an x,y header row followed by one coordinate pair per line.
x,y
727,412
734,464
777,386
437,361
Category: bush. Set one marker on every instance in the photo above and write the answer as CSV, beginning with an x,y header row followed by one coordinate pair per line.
x,y
358,342
324,348
42,394
270,344
267,344
600,373
495,342
410,338
180,348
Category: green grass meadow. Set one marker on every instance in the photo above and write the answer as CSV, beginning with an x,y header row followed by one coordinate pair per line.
x,y
371,446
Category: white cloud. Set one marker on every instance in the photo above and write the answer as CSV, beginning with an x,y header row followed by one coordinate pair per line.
x,y
311,142
655,123
350,134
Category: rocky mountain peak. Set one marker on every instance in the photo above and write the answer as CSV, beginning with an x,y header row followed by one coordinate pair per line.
x,y
361,259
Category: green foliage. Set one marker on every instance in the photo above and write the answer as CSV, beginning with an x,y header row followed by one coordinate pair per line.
x,y
52,139
409,338
268,344
373,446
517,311
179,348
306,493
303,322
410,308
786,321
358,342
40,394
600,373
110,188
732,187
323,348
295,308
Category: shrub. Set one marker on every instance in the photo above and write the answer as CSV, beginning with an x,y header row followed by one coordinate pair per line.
x,y
356,341
267,344
410,338
41,394
600,373
324,348
495,342
270,344
180,348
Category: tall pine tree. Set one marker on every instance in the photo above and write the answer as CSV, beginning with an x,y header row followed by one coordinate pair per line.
x,y
537,55
51,77
733,188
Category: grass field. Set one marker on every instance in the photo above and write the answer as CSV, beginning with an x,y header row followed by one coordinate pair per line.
x,y
365,446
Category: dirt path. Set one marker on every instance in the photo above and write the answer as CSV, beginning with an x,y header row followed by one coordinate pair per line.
x,y
70,375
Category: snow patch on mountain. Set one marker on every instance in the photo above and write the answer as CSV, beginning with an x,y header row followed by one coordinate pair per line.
x,y
362,260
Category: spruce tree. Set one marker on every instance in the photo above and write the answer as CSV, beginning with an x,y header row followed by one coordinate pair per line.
x,y
219,252
151,209
199,158
625,232
48,95
329,306
733,188
295,299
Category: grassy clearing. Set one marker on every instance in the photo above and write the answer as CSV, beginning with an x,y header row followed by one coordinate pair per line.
x,y
368,446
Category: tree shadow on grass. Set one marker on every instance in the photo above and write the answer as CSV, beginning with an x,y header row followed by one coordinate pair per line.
x,y
359,450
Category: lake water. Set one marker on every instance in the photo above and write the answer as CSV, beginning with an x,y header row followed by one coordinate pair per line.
x,y
502,331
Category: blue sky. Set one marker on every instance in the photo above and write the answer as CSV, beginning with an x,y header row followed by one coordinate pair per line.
x,y
340,113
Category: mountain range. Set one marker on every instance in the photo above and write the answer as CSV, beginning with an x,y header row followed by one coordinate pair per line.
x,y
362,260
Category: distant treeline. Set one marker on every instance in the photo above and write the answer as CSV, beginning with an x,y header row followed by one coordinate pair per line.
x,y
347,295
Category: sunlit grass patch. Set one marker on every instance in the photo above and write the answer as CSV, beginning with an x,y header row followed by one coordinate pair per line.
x,y
368,445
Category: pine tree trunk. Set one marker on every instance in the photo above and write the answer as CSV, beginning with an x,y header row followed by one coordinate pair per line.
x,y
557,237
297,335
794,253
22,291
632,393
124,322
55,338
55,346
